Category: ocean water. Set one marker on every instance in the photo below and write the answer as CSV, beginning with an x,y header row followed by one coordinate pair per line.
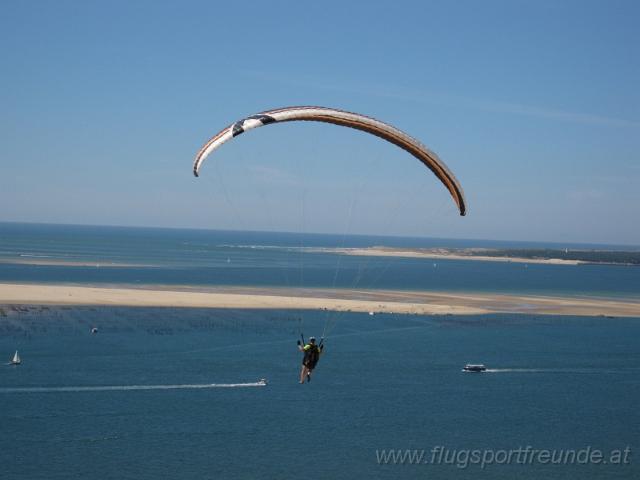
x,y
115,255
384,382
171,393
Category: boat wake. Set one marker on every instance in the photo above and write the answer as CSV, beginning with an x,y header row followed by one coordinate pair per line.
x,y
515,370
112,388
553,370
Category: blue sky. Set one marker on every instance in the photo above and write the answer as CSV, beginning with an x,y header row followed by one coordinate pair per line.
x,y
533,105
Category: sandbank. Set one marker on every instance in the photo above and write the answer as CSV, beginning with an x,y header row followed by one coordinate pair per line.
x,y
444,254
376,301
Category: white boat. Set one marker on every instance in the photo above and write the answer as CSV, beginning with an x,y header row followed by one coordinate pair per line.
x,y
16,359
469,367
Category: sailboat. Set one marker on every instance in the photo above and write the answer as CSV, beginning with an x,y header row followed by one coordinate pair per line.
x,y
16,359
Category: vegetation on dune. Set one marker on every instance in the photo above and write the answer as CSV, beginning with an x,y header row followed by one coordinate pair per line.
x,y
594,256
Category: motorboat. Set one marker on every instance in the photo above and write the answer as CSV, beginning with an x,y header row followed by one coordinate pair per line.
x,y
470,367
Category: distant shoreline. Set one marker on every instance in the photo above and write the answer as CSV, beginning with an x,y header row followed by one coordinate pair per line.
x,y
385,301
532,256
446,254
464,254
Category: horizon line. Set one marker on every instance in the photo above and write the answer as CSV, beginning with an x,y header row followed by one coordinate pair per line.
x,y
205,229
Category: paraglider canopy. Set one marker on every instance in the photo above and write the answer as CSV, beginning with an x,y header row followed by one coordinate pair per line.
x,y
346,119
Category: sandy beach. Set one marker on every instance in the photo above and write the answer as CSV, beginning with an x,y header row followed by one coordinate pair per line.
x,y
314,299
444,254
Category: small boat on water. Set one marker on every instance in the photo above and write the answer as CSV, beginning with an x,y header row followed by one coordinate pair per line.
x,y
16,359
469,367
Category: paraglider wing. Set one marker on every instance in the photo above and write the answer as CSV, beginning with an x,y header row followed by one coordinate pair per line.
x,y
346,119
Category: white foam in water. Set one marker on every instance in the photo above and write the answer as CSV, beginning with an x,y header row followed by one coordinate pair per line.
x,y
554,370
518,370
110,388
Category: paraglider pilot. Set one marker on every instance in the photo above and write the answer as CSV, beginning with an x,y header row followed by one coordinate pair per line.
x,y
311,356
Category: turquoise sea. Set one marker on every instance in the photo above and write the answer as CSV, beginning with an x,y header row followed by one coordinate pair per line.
x,y
170,393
